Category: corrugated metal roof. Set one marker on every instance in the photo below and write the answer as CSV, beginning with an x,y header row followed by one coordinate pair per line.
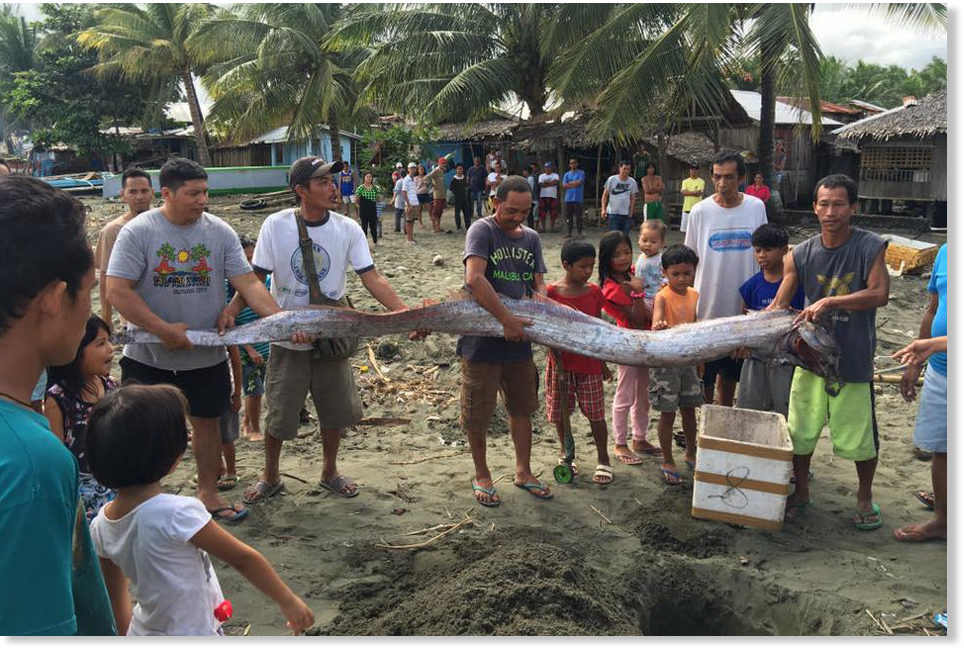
x,y
751,102
281,135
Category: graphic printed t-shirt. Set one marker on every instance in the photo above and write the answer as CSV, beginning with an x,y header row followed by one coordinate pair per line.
x,y
339,244
347,182
590,303
574,195
679,309
38,501
836,272
938,285
511,267
650,269
620,193
179,271
758,293
171,580
553,190
723,239
692,185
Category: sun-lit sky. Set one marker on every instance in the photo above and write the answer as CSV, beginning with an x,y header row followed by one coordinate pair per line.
x,y
843,31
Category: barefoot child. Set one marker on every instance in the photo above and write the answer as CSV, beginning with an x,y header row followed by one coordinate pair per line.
x,y
74,390
679,387
649,267
254,363
624,302
160,542
765,385
584,375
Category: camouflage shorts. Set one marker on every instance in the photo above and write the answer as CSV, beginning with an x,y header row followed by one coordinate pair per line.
x,y
672,388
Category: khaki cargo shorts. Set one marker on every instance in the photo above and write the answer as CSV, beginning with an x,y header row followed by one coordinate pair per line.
x,y
292,374
482,382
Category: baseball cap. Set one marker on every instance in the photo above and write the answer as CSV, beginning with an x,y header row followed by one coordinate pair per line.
x,y
398,164
412,165
442,160
548,164
308,167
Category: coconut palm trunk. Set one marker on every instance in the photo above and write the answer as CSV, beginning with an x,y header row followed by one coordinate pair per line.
x,y
197,119
334,132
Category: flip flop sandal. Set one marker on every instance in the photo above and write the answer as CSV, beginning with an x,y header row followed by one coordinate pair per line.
x,y
536,489
860,519
260,491
669,475
337,484
603,472
488,491
239,514
629,459
926,498
227,482
794,511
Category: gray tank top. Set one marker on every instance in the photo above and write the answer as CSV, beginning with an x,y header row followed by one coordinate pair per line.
x,y
836,272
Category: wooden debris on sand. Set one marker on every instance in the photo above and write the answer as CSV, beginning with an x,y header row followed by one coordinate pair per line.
x,y
446,528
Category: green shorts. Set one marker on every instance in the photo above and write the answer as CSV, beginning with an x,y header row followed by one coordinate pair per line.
x,y
653,210
853,423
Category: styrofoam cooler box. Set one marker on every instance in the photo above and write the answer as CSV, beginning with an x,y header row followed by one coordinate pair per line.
x,y
744,460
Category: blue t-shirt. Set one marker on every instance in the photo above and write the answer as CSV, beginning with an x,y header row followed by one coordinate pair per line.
x,y
757,293
38,504
574,195
938,285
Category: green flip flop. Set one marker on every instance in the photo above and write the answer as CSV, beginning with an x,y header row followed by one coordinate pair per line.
x,y
860,519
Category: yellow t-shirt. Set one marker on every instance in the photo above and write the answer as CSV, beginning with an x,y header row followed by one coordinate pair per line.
x,y
692,185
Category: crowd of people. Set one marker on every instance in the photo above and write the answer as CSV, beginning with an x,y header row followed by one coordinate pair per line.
x,y
177,267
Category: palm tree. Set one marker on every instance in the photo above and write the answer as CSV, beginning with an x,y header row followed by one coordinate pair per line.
x,y
623,64
271,65
18,42
147,43
452,61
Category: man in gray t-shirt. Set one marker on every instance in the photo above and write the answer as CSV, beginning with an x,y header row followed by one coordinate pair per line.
x,y
844,277
166,275
502,257
619,199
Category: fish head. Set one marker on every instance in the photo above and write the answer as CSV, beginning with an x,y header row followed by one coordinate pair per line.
x,y
812,346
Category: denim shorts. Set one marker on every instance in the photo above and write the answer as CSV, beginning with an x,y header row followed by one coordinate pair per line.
x,y
930,430
252,378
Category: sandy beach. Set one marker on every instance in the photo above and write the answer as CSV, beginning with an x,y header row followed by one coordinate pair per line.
x,y
624,560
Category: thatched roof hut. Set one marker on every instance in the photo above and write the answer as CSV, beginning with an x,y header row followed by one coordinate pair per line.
x,y
483,130
688,147
545,133
922,119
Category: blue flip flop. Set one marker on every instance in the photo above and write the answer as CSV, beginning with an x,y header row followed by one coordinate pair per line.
x,y
239,514
531,486
488,491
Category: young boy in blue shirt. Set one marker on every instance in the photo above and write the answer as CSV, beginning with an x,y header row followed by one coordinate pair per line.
x,y
765,385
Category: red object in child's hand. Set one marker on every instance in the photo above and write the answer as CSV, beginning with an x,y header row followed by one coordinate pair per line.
x,y
223,611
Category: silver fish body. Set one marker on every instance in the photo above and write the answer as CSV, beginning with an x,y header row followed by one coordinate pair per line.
x,y
769,334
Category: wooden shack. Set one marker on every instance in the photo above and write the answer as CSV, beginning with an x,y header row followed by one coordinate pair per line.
x,y
903,158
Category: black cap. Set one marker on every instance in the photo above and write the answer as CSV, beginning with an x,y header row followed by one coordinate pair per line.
x,y
308,167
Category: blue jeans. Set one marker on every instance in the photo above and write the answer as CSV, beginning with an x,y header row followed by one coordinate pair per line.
x,y
476,199
620,223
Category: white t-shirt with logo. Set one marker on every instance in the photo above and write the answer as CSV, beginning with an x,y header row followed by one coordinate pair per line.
x,y
171,579
552,190
723,239
339,244
620,194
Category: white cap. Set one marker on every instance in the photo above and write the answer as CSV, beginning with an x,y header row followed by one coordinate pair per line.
x,y
412,165
398,164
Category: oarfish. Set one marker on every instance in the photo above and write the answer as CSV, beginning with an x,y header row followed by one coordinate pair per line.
x,y
768,334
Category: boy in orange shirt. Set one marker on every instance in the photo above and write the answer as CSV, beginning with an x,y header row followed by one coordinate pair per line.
x,y
584,375
678,387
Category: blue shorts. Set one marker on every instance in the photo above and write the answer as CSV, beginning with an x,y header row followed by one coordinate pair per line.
x,y
930,430
230,426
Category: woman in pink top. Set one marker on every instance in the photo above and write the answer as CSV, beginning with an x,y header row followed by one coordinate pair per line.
x,y
758,189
